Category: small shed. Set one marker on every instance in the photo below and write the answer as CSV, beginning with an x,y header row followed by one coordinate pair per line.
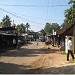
x,y
7,35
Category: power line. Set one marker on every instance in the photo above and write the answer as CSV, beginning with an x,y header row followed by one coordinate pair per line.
x,y
36,5
37,17
18,16
31,16
14,14
24,18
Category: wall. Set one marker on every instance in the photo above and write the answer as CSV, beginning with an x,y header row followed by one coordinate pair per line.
x,y
74,36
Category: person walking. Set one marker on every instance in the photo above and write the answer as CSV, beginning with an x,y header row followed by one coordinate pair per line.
x,y
48,42
70,49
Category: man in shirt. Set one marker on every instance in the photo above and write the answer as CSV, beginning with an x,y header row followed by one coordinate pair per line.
x,y
69,49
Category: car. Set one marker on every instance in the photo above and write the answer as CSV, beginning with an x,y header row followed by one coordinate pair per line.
x,y
41,39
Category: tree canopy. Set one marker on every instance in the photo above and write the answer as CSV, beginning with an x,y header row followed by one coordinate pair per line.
x,y
70,14
21,28
6,22
49,27
42,32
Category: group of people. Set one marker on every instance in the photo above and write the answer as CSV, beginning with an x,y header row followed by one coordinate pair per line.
x,y
16,43
69,45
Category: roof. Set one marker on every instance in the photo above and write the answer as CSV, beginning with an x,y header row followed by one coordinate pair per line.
x,y
7,34
64,29
7,28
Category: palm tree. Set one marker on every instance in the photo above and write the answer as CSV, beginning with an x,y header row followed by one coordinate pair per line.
x,y
21,28
6,22
70,14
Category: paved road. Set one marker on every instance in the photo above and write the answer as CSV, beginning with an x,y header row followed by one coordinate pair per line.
x,y
33,59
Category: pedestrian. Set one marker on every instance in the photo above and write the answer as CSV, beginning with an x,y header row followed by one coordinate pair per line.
x,y
70,49
37,42
14,43
19,44
47,42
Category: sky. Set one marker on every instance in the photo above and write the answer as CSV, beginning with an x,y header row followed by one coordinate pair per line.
x,y
36,12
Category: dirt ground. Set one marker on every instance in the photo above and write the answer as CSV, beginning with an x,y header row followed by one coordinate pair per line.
x,y
36,59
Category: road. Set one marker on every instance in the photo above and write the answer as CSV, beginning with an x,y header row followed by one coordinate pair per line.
x,y
35,59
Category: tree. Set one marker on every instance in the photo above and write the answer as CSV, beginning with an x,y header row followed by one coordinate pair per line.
x,y
21,28
72,2
55,26
70,14
6,22
49,27
43,33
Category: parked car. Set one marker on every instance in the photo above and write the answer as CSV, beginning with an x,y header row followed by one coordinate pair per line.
x,y
41,39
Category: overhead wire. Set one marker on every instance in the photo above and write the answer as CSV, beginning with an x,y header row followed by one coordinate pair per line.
x,y
31,6
59,5
18,16
24,19
36,17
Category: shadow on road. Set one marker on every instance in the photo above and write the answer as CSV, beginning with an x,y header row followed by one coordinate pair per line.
x,y
8,68
28,52
53,70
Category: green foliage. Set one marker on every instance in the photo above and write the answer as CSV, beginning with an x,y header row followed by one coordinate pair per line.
x,y
70,14
21,28
6,22
63,52
42,32
49,27
55,26
72,2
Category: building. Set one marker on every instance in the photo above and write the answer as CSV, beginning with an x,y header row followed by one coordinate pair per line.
x,y
7,35
64,33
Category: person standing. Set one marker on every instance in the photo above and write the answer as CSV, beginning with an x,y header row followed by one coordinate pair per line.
x,y
14,43
70,49
37,41
48,42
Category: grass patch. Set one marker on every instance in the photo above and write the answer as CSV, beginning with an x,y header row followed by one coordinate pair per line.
x,y
72,61
63,52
